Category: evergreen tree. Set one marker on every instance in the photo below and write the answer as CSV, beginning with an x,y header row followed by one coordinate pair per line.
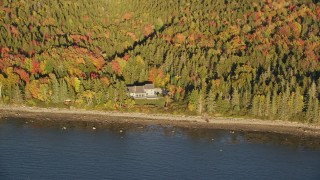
x,y
298,102
211,102
55,98
91,52
313,104
63,90
17,95
274,105
121,93
235,101
284,109
193,100
268,105
256,105
201,100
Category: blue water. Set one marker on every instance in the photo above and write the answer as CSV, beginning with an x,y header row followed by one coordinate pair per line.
x,y
45,151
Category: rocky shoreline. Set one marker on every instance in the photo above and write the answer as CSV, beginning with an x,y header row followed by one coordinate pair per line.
x,y
107,117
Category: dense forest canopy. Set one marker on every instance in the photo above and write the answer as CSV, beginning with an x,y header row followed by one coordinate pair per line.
x,y
246,57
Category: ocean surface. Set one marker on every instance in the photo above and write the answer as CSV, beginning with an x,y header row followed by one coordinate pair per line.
x,y
83,150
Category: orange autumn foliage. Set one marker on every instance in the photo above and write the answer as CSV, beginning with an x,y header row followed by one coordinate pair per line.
x,y
147,29
23,74
105,81
116,67
97,62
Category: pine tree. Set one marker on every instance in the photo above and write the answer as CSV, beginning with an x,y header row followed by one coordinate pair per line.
x,y
274,105
256,105
223,104
17,95
193,100
284,108
121,93
201,100
55,98
298,102
235,101
211,102
267,111
262,103
246,99
313,102
63,90
316,111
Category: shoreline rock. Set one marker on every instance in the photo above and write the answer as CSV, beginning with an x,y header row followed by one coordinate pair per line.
x,y
232,124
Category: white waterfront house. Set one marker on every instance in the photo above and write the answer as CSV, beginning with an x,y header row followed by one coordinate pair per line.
x,y
146,91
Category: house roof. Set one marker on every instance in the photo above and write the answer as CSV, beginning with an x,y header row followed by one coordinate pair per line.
x,y
149,86
139,89
136,89
130,89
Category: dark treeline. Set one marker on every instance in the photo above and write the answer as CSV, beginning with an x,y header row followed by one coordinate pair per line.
x,y
256,58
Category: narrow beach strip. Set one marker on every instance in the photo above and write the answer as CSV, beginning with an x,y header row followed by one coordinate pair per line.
x,y
243,124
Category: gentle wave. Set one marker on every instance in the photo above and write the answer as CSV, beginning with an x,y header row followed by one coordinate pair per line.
x,y
29,152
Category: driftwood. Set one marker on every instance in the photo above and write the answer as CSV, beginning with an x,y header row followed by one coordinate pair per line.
x,y
68,102
205,117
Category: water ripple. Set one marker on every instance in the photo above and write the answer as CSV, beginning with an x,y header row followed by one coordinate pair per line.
x,y
28,152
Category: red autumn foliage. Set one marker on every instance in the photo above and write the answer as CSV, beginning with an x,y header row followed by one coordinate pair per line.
x,y
292,7
196,37
14,31
301,42
31,53
30,27
257,16
318,12
35,67
126,57
8,10
22,73
86,18
90,34
4,64
265,52
310,51
4,51
116,67
35,43
77,38
94,75
47,36
212,23
83,75
309,64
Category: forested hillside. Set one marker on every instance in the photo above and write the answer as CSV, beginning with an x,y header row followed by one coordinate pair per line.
x,y
257,58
